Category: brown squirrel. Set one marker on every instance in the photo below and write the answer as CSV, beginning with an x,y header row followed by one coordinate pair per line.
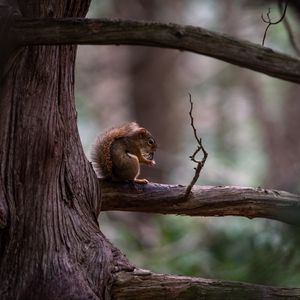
x,y
117,154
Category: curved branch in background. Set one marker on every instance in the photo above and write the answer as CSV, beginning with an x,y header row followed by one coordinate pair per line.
x,y
186,38
289,30
203,201
145,285
270,22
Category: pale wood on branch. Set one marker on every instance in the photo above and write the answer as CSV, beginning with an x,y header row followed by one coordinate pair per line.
x,y
203,201
186,38
144,285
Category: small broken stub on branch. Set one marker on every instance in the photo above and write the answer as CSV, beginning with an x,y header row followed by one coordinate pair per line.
x,y
200,163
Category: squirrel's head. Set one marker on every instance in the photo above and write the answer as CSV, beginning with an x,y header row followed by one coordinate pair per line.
x,y
146,143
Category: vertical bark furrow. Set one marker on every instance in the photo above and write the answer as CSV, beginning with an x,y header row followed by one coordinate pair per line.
x,y
52,248
3,208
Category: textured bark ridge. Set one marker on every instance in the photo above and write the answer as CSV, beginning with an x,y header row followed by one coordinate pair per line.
x,y
143,284
51,247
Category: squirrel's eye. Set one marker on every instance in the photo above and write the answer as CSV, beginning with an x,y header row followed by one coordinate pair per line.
x,y
150,141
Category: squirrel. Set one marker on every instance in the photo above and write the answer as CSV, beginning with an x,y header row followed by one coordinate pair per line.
x,y
118,153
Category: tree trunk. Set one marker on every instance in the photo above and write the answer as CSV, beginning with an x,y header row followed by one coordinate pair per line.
x,y
50,243
51,246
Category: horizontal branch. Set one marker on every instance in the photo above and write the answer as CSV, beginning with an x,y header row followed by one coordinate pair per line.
x,y
186,38
144,285
203,201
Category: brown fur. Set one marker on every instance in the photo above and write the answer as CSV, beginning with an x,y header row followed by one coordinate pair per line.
x,y
110,152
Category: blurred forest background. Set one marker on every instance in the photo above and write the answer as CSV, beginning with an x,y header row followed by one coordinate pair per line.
x,y
249,124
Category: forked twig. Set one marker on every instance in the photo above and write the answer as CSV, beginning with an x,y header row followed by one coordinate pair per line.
x,y
200,163
269,22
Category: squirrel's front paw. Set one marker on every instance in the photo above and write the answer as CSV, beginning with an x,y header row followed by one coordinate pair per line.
x,y
151,162
141,181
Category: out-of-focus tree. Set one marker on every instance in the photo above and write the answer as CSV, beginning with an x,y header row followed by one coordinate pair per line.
x,y
153,78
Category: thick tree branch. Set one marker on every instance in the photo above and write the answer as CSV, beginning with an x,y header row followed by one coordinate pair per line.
x,y
203,201
143,285
187,38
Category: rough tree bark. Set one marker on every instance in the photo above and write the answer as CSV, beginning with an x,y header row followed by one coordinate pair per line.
x,y
52,247
50,243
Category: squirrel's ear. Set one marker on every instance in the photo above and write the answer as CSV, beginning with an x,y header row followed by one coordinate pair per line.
x,y
141,132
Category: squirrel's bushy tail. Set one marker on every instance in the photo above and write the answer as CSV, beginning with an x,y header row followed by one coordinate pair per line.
x,y
100,151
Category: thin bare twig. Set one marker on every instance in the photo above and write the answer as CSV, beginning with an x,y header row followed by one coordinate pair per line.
x,y
269,22
200,163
